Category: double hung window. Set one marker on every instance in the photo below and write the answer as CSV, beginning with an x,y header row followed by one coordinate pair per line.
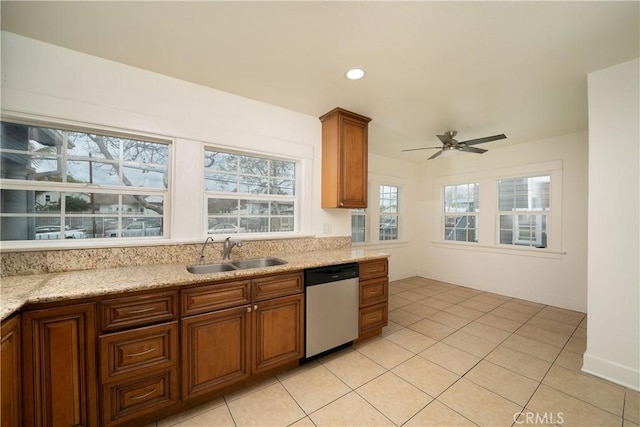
x,y
384,212
67,184
461,207
523,207
389,212
249,194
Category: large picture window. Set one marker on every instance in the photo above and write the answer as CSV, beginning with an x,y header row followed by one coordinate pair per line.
x,y
67,184
249,194
523,207
461,207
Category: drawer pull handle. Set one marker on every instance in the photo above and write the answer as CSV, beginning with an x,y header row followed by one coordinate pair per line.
x,y
142,310
141,353
142,396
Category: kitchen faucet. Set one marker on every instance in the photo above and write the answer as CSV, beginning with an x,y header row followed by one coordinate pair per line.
x,y
204,246
228,245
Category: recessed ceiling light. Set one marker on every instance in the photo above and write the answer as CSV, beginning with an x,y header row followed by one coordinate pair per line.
x,y
355,74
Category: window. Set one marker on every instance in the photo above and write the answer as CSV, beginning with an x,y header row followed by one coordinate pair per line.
x,y
249,194
388,212
358,225
387,216
461,206
63,184
523,207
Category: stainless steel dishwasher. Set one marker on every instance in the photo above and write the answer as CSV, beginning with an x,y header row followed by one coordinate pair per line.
x,y
332,301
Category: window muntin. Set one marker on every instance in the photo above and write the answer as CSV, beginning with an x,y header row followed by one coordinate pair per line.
x,y
48,179
461,207
249,194
389,213
523,209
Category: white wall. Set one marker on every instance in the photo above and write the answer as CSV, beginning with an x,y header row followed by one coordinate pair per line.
x,y
43,81
557,278
50,83
613,330
383,170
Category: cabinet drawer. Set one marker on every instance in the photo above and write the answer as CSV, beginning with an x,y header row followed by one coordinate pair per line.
x,y
215,297
373,317
374,291
131,352
375,268
138,310
126,400
277,286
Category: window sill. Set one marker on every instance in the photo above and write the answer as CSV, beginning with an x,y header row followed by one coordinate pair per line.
x,y
506,250
381,244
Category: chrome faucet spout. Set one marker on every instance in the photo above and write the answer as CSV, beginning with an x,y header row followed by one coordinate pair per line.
x,y
228,246
209,239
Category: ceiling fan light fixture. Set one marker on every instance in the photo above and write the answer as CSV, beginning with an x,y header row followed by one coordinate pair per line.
x,y
355,74
450,151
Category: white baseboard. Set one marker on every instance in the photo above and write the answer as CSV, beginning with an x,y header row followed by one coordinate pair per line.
x,y
611,371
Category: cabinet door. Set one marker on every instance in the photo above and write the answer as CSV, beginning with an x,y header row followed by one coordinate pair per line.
x,y
11,415
59,367
215,350
353,168
278,332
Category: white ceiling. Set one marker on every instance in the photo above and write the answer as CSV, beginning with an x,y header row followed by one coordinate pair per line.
x,y
482,68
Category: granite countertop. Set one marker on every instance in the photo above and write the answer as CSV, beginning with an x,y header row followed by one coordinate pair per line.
x,y
17,291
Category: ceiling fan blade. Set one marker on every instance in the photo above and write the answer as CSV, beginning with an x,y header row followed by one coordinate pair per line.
x,y
424,148
435,155
473,150
446,139
485,139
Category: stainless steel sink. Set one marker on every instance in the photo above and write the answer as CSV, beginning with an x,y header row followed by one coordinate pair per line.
x,y
243,264
216,267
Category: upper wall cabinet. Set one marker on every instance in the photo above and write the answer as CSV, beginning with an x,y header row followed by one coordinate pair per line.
x,y
344,159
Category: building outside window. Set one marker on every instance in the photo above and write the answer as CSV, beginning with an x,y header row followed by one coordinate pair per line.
x,y
523,208
67,184
249,194
461,207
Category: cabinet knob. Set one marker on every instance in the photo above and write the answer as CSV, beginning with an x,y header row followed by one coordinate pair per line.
x,y
248,309
255,307
341,204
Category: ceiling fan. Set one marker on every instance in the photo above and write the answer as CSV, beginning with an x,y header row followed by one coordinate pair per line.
x,y
449,144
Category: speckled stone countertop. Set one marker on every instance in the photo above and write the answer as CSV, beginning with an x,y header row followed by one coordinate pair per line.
x,y
17,291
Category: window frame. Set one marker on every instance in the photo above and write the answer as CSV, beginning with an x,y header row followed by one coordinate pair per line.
x,y
296,199
475,213
515,213
71,188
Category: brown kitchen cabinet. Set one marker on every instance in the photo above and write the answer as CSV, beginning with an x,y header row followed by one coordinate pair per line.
x,y
278,334
226,345
374,297
344,159
59,366
138,362
215,350
11,368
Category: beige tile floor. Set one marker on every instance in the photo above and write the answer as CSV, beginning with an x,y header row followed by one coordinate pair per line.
x,y
451,356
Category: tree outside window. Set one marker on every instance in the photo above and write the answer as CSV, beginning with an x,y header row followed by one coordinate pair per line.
x,y
60,184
